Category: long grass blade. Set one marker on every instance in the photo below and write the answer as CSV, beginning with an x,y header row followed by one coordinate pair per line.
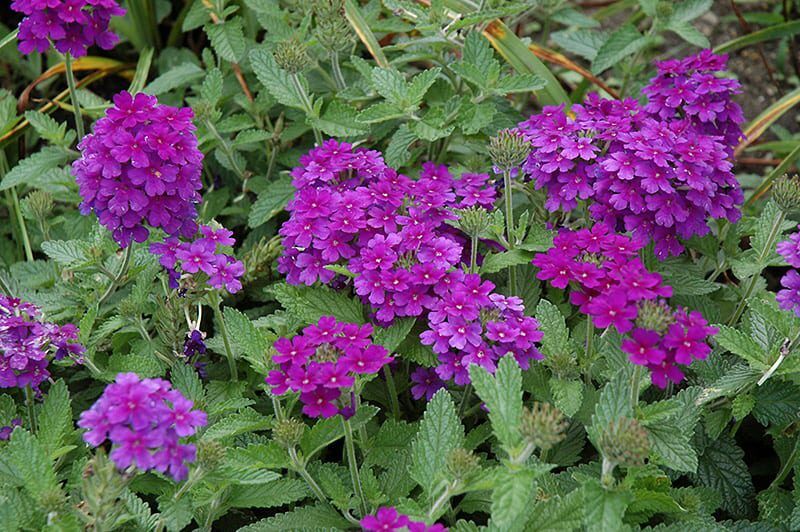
x,y
142,71
779,170
8,39
360,26
777,31
761,123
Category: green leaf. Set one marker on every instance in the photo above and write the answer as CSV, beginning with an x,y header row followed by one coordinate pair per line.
x,y
495,262
502,394
479,55
309,304
55,418
722,468
270,495
776,403
512,498
397,153
248,420
604,509
326,431
380,112
582,42
277,81
558,514
391,337
614,402
321,515
46,126
227,39
420,84
197,15
440,432
211,90
178,76
743,345
474,117
271,202
672,447
689,33
32,167
390,84
567,395
184,377
339,120
625,41
690,9
554,326
26,459
69,253
519,83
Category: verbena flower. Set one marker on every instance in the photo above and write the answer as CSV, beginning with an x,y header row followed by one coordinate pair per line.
x,y
324,361
789,296
141,166
607,278
145,420
660,171
72,25
471,324
27,343
205,255
425,383
387,518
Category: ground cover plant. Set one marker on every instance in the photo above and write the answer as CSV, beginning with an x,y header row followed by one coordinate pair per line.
x,y
399,265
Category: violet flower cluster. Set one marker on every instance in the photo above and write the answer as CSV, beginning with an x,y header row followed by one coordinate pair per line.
x,y
789,296
323,361
72,25
425,383
608,278
683,340
388,519
471,324
141,166
145,420
660,170
27,343
206,254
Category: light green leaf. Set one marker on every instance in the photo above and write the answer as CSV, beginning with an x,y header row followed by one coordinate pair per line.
x,y
502,394
339,120
309,304
55,418
175,77
277,81
32,167
625,41
271,202
227,39
604,509
512,498
496,262
68,253
567,395
440,432
248,420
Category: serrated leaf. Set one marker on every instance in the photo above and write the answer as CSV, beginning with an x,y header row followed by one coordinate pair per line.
x,y
26,459
55,418
502,394
309,304
495,262
271,202
269,495
197,15
46,126
420,84
722,468
248,420
567,395
380,112
68,253
474,117
776,403
554,326
742,345
519,83
184,377
614,402
604,508
326,431
512,498
227,39
558,514
211,89
440,432
277,81
582,42
391,337
321,515
671,447
690,9
397,153
625,41
689,33
390,84
339,120
178,76
32,167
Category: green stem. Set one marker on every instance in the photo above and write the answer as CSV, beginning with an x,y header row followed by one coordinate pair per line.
x,y
392,392
512,271
464,400
303,472
635,385
473,254
26,241
341,84
441,501
351,459
223,329
123,270
774,231
276,407
73,95
309,109
785,469
31,408
4,287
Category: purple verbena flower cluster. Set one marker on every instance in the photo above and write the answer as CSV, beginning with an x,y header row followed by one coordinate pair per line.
x,y
609,280
141,166
388,519
425,383
203,255
72,25
144,419
353,210
660,170
323,361
471,324
789,296
26,342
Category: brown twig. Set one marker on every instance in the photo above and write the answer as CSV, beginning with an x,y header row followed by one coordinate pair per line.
x,y
237,70
758,161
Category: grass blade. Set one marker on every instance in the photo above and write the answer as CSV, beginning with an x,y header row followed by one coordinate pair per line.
x,y
359,24
773,32
779,170
761,123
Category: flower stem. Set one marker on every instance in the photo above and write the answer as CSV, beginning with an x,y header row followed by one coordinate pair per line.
x,y
73,95
768,248
26,241
387,372
355,477
223,330
307,107
303,472
512,270
464,400
473,255
337,71
635,384
126,262
31,408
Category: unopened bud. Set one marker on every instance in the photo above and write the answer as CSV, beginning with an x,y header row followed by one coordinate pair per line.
x,y
332,29
209,454
461,463
291,56
654,316
786,192
38,205
664,9
508,149
624,442
288,432
474,220
543,425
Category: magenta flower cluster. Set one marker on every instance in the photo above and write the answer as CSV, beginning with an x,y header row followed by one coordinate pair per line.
x,y
685,340
607,277
789,296
388,519
471,324
203,255
145,420
659,170
141,166
323,361
72,25
27,343
353,210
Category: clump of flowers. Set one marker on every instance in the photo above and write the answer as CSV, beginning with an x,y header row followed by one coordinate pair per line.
x,y
324,361
663,340
789,296
145,420
72,25
205,255
608,279
141,166
659,171
27,342
387,518
471,324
